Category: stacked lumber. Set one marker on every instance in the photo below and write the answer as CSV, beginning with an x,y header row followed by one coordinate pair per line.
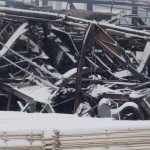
x,y
25,140
114,140
36,131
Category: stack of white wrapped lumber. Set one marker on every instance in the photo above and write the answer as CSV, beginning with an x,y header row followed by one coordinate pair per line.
x,y
25,140
22,131
113,140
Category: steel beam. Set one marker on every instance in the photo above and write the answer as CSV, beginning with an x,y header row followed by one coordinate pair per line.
x,y
110,46
106,2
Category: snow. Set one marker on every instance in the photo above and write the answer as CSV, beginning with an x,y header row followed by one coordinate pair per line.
x,y
139,93
122,73
107,10
18,121
83,108
68,74
51,71
98,90
37,93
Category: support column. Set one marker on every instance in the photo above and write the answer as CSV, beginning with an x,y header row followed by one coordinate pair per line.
x,y
112,6
44,2
90,6
135,12
37,2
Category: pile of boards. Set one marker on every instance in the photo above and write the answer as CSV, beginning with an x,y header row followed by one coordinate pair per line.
x,y
25,140
62,132
114,140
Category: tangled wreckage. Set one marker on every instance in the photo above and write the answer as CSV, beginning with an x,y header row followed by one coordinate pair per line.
x,y
61,63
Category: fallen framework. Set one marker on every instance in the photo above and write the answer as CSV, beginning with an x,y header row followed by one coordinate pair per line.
x,y
57,63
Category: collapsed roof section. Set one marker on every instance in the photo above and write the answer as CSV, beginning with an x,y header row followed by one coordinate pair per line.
x,y
58,63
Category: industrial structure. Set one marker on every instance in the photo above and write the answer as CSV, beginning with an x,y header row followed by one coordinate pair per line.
x,y
70,77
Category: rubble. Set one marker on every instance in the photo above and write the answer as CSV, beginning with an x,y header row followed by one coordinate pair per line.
x,y
60,63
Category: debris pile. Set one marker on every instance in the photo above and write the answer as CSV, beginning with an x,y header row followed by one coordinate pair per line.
x,y
61,63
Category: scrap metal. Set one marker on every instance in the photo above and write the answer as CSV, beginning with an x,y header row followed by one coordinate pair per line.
x,y
62,63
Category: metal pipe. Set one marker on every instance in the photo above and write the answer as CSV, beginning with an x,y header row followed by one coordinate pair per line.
x,y
38,78
54,16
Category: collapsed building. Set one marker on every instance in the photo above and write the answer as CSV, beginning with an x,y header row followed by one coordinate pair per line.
x,y
67,63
